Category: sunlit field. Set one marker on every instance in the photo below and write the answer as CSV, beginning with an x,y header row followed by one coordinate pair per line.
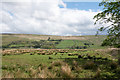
x,y
65,61
60,39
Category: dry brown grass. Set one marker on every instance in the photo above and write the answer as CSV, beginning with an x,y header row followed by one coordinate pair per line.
x,y
45,37
8,75
66,71
97,75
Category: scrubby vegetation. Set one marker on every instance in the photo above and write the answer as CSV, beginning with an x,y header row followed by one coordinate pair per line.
x,y
50,42
43,44
59,63
58,57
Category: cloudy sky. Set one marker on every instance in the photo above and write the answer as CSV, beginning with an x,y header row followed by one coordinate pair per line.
x,y
49,17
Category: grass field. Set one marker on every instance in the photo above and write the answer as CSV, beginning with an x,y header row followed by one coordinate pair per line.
x,y
68,42
50,63
63,62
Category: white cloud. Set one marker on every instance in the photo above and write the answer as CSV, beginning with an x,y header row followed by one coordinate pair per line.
x,y
46,18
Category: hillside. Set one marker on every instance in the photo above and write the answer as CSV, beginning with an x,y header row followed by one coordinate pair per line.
x,y
59,42
45,56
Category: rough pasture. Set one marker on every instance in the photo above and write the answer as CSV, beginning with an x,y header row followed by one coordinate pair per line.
x,y
59,63
81,53
55,42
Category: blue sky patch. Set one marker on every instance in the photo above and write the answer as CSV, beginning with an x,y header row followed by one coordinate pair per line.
x,y
83,5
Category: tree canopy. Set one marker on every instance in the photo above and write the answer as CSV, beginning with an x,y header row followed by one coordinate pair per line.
x,y
109,19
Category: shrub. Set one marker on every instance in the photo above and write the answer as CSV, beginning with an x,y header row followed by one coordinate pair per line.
x,y
56,42
119,61
38,53
90,65
107,75
79,56
75,63
48,38
89,57
118,70
3,54
50,57
113,65
4,67
31,54
43,53
104,58
55,54
97,75
50,67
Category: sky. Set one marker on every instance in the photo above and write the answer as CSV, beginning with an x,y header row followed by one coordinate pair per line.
x,y
49,17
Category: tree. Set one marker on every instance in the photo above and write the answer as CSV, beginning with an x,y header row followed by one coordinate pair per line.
x,y
110,16
48,38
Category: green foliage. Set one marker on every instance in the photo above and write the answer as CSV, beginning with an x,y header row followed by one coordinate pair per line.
x,y
93,42
90,65
113,65
110,15
31,63
44,44
107,75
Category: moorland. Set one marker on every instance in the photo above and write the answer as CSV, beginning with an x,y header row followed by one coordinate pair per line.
x,y
48,56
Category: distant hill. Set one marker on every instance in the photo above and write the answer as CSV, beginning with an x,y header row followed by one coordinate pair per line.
x,y
67,41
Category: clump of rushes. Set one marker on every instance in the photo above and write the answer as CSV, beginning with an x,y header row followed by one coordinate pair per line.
x,y
42,74
76,66
39,53
78,69
66,71
42,66
31,54
32,72
57,63
3,54
4,67
50,67
20,74
45,73
113,65
50,57
118,71
8,75
79,56
90,65
97,75
75,63
119,60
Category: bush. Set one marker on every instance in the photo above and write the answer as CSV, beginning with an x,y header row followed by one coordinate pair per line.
x,y
97,75
119,61
79,56
39,53
56,42
90,65
118,70
107,75
113,65
50,58
4,67
31,54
